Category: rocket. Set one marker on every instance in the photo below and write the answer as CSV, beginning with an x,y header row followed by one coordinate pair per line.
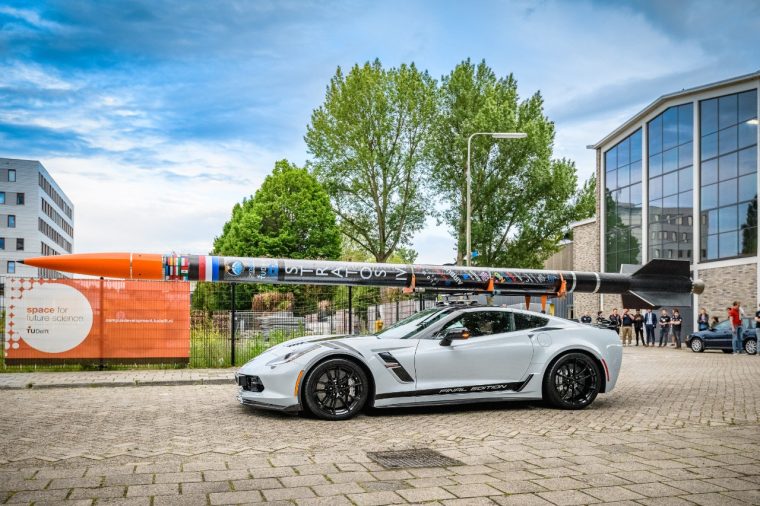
x,y
656,284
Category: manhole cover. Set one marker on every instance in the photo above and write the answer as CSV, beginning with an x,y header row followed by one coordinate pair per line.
x,y
421,457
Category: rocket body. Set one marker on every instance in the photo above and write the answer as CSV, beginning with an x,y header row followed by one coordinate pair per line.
x,y
660,282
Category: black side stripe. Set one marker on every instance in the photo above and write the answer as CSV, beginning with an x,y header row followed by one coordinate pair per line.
x,y
517,386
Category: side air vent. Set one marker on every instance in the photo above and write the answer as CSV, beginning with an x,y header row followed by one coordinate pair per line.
x,y
395,367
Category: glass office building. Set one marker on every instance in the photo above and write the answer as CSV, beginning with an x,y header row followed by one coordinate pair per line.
x,y
679,181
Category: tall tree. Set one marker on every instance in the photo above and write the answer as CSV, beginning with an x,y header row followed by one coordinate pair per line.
x,y
289,217
522,199
369,141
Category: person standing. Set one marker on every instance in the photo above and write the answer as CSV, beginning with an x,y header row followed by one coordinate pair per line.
x,y
626,322
586,318
703,320
615,320
736,326
650,322
675,324
664,328
638,327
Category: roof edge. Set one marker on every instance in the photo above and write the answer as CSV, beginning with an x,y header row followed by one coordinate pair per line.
x,y
663,98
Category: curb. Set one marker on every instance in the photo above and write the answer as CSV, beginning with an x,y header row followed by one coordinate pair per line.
x,y
135,383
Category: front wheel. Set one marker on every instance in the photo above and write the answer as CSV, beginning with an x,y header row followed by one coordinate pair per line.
x,y
572,382
750,346
336,389
697,346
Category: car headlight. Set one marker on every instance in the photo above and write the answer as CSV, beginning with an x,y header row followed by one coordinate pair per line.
x,y
289,357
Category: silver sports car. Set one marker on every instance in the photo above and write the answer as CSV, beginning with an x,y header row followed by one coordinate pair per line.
x,y
443,355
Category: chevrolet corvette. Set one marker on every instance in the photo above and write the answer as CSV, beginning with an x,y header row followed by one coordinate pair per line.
x,y
443,355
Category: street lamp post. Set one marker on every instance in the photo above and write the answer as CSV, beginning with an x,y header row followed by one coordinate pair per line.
x,y
468,224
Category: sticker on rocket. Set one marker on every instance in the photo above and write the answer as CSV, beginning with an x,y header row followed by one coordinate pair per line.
x,y
50,317
77,320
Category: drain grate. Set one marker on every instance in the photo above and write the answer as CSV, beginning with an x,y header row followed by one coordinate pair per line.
x,y
420,457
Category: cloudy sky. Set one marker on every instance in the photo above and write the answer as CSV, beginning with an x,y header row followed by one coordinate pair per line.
x,y
156,116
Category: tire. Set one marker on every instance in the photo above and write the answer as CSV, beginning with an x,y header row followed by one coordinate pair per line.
x,y
335,389
572,382
696,345
750,346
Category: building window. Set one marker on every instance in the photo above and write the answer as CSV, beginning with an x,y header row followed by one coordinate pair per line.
x,y
2,197
19,199
11,221
11,267
728,203
623,203
671,195
2,242
19,244
12,175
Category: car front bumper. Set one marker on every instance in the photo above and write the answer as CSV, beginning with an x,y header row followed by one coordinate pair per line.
x,y
274,390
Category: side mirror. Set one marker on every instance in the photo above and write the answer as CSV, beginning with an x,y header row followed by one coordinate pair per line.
x,y
454,333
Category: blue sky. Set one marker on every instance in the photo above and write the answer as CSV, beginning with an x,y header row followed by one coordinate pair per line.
x,y
156,116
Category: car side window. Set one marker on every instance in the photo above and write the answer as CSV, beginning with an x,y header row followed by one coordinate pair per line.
x,y
529,321
481,323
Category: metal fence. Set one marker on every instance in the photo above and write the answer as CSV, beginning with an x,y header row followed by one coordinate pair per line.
x,y
228,323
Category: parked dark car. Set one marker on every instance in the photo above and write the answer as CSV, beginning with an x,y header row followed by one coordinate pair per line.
x,y
719,338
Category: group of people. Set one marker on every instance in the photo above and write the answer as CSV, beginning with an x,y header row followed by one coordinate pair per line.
x,y
630,324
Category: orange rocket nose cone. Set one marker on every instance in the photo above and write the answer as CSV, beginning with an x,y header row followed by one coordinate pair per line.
x,y
111,265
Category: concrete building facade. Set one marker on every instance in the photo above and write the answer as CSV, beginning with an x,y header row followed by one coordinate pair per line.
x,y
36,217
680,180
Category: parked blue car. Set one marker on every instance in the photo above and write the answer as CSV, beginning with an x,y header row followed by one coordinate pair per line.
x,y
719,338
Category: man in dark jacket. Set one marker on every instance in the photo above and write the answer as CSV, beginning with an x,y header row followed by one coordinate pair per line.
x,y
638,327
615,320
626,322
650,323
664,327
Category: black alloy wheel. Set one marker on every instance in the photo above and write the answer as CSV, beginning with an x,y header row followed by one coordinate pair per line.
x,y
336,389
697,346
572,382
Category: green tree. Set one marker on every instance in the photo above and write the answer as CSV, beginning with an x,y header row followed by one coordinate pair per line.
x,y
369,141
522,199
289,217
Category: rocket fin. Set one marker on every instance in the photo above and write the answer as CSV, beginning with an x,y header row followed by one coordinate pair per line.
x,y
655,300
663,267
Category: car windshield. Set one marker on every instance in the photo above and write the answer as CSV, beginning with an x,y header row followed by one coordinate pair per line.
x,y
413,324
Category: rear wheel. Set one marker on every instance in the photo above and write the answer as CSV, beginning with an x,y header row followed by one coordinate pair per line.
x,y
697,345
336,389
750,346
572,382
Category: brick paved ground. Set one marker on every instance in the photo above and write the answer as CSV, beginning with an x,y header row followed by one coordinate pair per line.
x,y
681,428
136,377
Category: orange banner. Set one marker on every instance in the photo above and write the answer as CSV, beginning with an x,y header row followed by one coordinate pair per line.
x,y
71,320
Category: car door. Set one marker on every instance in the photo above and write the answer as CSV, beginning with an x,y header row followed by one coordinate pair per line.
x,y
497,352
719,337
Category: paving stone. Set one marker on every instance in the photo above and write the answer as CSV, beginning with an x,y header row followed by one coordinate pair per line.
x,y
232,474
472,490
665,501
517,487
609,494
128,479
304,481
337,489
180,500
355,476
243,497
655,489
732,483
93,481
379,486
560,483
255,484
124,501
376,498
94,493
185,477
568,497
28,496
714,499
208,487
521,500
287,493
470,501
337,500
147,490
424,494
271,472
